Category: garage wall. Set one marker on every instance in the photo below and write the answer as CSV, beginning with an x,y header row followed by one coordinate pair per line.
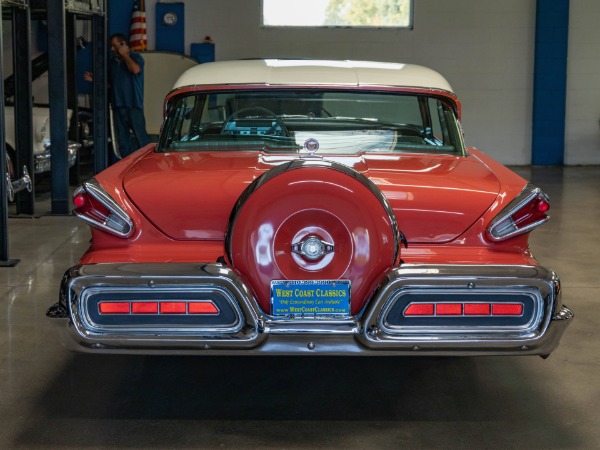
x,y
582,133
484,48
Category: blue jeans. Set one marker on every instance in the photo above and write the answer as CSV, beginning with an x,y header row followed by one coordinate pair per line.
x,y
127,120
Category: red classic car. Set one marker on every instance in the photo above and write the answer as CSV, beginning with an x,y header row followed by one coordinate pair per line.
x,y
310,207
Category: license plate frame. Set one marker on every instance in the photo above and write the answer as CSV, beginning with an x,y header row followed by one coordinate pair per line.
x,y
310,298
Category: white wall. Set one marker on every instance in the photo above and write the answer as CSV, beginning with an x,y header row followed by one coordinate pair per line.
x,y
582,141
484,47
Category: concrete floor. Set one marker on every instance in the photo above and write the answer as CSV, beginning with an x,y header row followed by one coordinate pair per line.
x,y
51,398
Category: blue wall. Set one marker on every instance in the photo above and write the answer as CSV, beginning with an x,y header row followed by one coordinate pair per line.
x,y
170,38
550,82
119,16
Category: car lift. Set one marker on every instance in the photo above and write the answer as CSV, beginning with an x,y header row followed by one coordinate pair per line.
x,y
63,15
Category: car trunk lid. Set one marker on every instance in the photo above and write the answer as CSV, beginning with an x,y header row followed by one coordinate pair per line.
x,y
189,196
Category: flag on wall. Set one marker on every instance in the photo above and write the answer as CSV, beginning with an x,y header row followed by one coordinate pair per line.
x,y
137,30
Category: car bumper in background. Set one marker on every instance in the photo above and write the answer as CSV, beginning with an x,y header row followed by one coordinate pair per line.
x,y
43,161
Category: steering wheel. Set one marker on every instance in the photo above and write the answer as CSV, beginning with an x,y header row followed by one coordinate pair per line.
x,y
261,112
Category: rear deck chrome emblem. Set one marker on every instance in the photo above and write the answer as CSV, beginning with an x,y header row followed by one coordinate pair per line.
x,y
311,145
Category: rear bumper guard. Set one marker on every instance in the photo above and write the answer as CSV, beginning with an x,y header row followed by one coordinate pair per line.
x,y
382,329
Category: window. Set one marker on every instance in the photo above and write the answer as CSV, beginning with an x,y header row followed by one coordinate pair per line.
x,y
337,13
441,116
283,120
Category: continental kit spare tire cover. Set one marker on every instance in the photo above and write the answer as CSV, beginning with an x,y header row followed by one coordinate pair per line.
x,y
313,220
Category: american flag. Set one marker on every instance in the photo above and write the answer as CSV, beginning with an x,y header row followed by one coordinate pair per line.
x,y
137,30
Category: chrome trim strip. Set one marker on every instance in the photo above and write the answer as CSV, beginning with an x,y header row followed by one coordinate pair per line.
x,y
298,164
346,326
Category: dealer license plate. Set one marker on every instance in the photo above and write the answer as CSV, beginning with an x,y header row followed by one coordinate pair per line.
x,y
310,298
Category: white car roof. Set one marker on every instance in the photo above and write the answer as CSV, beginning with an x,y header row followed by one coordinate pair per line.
x,y
313,73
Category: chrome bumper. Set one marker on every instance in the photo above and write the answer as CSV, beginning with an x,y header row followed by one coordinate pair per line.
x,y
250,331
43,161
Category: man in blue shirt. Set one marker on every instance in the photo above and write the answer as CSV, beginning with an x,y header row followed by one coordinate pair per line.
x,y
127,82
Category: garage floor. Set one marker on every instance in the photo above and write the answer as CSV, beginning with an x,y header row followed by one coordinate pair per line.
x,y
55,399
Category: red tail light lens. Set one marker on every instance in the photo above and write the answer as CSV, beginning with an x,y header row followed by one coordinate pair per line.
x,y
98,209
477,309
90,207
463,309
508,309
172,308
448,309
532,212
144,307
420,309
79,200
114,308
202,308
521,215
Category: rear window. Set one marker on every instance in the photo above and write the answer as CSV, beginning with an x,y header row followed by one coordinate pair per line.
x,y
302,121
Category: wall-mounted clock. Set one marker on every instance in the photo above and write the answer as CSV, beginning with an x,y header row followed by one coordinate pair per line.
x,y
169,18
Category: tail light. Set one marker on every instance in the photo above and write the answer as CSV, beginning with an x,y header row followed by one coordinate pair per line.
x,y
205,307
524,213
94,206
442,309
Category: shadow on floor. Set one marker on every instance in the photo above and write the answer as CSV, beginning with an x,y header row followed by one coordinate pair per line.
x,y
159,401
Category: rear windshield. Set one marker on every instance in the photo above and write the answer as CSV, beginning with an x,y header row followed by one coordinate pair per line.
x,y
305,121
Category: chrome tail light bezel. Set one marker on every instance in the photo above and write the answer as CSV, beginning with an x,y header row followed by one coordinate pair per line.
x,y
496,231
118,223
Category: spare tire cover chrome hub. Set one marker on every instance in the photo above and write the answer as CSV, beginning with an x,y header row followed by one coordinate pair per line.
x,y
313,248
